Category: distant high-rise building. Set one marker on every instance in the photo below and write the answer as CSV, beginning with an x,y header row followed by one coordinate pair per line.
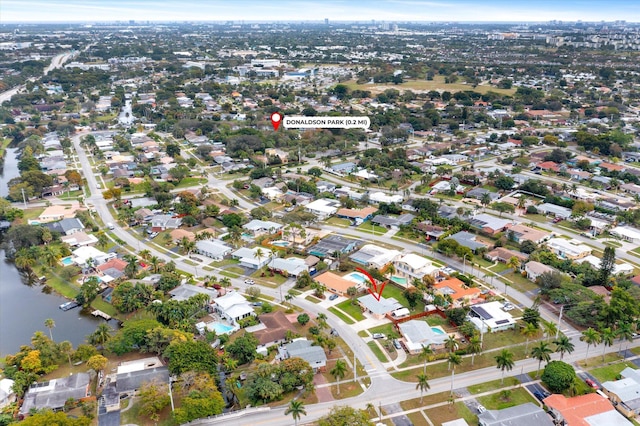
x,y
132,21
326,21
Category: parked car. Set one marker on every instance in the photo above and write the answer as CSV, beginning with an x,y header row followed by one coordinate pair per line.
x,y
396,344
481,409
592,383
249,282
333,297
508,306
541,395
256,304
557,219
378,336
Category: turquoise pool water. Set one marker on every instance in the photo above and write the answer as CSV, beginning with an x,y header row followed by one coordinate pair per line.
x,y
66,261
399,280
356,277
281,243
221,328
437,330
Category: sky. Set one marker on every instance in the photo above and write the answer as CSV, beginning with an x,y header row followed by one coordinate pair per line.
x,y
317,10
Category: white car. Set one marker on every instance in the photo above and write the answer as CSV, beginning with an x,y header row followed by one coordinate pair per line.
x,y
249,282
481,409
507,307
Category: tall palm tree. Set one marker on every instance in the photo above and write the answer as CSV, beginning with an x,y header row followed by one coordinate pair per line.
x,y
423,384
485,200
474,347
529,330
625,332
66,348
451,344
145,254
296,409
454,359
51,255
49,323
259,255
563,344
155,261
607,336
425,354
550,328
132,265
101,335
590,337
505,362
338,371
541,352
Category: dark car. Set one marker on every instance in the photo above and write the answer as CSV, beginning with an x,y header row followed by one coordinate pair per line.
x,y
541,395
333,297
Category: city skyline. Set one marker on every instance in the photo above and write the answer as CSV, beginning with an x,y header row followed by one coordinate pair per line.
x,y
334,10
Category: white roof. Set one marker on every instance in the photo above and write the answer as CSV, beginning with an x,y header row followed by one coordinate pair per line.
x,y
627,231
418,334
230,299
86,252
617,269
293,265
571,247
626,389
381,197
492,314
215,247
323,205
414,261
240,310
608,418
259,225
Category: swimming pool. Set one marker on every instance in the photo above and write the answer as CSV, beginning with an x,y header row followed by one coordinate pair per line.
x,y
399,280
221,328
437,330
66,261
281,243
356,277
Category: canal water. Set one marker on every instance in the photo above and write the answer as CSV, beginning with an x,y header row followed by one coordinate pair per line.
x,y
23,308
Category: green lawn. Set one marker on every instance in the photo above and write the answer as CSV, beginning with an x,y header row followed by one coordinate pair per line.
x,y
341,315
610,372
449,413
372,229
493,385
377,351
225,262
391,290
105,307
189,181
312,299
353,310
385,329
336,221
497,402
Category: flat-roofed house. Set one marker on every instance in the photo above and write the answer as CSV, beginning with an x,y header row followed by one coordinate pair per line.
x,y
215,249
625,394
527,414
554,210
292,266
411,266
418,334
490,317
336,284
260,227
568,249
374,256
323,208
378,308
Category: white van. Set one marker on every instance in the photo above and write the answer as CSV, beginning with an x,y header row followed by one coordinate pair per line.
x,y
110,225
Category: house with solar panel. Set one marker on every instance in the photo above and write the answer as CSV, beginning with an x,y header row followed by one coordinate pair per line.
x,y
490,317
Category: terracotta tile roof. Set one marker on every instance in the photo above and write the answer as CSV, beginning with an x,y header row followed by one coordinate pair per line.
x,y
576,409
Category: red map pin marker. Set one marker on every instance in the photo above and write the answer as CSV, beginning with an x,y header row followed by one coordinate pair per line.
x,y
276,119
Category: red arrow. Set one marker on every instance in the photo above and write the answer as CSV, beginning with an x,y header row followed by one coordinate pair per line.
x,y
376,292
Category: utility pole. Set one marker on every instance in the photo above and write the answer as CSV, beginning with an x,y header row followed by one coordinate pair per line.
x,y
171,395
24,199
559,321
355,368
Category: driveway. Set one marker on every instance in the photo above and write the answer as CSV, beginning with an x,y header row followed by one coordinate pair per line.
x,y
323,394
400,420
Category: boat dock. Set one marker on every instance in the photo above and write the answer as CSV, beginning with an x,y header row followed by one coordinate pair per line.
x,y
69,305
98,313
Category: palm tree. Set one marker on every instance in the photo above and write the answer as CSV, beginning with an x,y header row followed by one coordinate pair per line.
x,y
529,330
505,362
259,254
132,265
423,384
49,323
474,347
522,202
514,263
145,254
425,354
101,335
51,255
590,337
541,352
296,409
550,328
607,336
485,200
451,344
103,240
155,261
338,372
454,359
625,332
563,344
66,348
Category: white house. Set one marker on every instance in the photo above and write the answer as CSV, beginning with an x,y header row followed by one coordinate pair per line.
x,y
303,348
215,249
323,208
259,227
83,254
381,197
626,233
568,249
292,266
490,317
251,258
535,269
412,266
233,307
7,396
374,256
418,334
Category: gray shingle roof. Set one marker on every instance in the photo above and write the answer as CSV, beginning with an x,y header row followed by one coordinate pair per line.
x,y
131,381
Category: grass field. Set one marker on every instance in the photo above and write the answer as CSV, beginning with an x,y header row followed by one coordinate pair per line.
x,y
377,351
341,315
373,229
452,412
493,385
353,310
496,401
610,372
426,85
